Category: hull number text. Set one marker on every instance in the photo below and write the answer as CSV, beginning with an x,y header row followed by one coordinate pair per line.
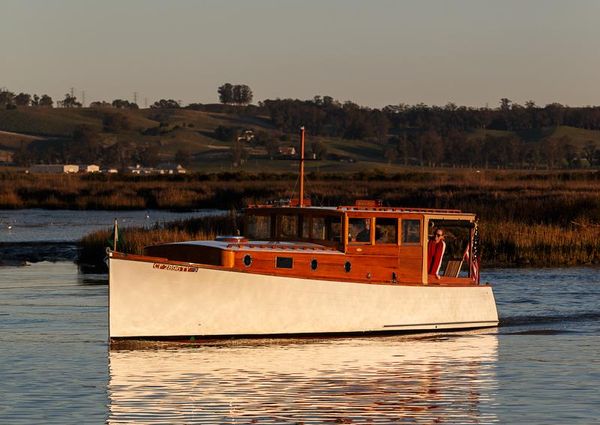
x,y
174,268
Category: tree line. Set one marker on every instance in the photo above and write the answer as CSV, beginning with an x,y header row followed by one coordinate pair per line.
x,y
509,135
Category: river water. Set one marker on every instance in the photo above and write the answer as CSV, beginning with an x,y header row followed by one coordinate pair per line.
x,y
541,366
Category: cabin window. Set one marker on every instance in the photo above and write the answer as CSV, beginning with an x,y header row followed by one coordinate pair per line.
x,y
314,264
284,262
317,228
258,227
411,231
347,266
247,260
334,229
288,226
306,227
314,228
359,230
386,230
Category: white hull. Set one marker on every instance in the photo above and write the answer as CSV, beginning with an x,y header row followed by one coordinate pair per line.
x,y
146,301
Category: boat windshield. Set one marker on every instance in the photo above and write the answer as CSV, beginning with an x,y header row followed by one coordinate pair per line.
x,y
316,228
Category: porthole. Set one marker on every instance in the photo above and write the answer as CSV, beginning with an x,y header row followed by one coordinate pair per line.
x,y
348,266
247,260
314,264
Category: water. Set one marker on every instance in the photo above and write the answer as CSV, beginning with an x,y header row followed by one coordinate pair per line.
x,y
40,225
541,366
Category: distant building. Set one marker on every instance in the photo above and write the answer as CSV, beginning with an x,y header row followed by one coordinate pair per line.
x,y
91,168
138,169
246,136
287,151
53,168
170,168
109,171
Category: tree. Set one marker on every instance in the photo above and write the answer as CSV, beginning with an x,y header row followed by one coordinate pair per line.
x,y
183,157
46,101
100,104
505,104
318,149
226,134
85,147
23,99
225,94
552,151
115,122
70,102
124,104
589,152
7,98
35,101
242,94
149,156
166,104
433,147
272,147
239,94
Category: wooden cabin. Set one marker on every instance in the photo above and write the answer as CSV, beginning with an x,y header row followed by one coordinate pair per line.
x,y
365,243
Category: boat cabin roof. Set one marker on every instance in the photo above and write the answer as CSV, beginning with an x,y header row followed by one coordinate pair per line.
x,y
361,208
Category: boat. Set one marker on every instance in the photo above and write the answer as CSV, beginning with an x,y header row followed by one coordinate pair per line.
x,y
304,270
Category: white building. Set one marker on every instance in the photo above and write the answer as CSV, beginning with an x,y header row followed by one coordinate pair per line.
x,y
170,168
91,168
53,168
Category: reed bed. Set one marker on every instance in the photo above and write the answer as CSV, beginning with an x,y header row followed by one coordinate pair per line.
x,y
133,239
528,218
503,244
540,245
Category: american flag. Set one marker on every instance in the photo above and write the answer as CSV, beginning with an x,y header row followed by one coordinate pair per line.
x,y
473,251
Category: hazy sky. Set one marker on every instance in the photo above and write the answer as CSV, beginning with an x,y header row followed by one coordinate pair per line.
x,y
378,52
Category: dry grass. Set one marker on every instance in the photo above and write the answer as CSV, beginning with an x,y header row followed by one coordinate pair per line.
x,y
518,244
133,240
527,218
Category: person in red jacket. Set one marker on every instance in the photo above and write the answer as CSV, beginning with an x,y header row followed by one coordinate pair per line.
x,y
435,252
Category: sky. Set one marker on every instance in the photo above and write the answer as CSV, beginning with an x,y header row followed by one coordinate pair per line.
x,y
374,53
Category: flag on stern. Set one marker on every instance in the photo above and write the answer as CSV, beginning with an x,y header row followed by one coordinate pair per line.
x,y
472,254
116,242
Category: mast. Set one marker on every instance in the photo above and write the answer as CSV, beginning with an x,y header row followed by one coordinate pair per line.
x,y
301,200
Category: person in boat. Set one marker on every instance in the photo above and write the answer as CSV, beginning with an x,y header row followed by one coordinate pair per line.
x,y
435,252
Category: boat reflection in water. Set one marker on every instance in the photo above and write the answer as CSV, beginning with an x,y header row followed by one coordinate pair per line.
x,y
426,378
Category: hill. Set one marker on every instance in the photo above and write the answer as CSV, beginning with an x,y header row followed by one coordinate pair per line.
x,y
194,135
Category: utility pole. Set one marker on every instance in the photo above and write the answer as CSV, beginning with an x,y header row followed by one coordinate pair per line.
x,y
83,98
135,97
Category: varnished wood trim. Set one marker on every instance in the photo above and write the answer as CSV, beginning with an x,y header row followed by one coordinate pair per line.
x,y
340,279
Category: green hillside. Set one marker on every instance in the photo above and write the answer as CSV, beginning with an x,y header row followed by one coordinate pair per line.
x,y
193,132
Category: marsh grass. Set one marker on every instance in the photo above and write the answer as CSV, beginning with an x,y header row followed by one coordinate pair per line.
x,y
527,217
132,240
518,244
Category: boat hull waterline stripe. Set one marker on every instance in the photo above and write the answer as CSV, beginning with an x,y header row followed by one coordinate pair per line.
x,y
482,323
